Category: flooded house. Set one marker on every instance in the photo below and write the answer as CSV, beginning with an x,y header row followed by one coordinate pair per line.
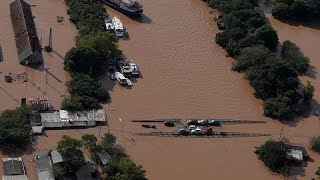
x,y
43,165
63,118
27,41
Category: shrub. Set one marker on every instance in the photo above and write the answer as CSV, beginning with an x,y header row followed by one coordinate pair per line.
x,y
308,91
291,53
315,144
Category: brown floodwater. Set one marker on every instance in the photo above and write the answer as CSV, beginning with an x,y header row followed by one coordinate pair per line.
x,y
185,75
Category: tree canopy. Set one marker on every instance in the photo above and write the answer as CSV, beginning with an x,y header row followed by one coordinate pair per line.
x,y
68,142
294,57
315,144
274,156
89,141
89,59
15,129
296,9
253,44
120,166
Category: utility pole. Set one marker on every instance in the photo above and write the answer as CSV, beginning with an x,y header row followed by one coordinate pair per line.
x,y
280,133
46,69
26,80
50,39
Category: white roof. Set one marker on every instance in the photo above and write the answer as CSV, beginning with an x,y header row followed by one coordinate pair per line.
x,y
117,23
296,154
64,115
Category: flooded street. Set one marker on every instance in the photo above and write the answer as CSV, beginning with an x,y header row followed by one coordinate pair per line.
x,y
185,75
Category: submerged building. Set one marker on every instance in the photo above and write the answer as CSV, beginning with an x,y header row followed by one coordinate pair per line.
x,y
63,118
27,41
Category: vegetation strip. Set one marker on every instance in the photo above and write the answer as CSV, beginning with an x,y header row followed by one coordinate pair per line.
x,y
253,44
88,60
94,50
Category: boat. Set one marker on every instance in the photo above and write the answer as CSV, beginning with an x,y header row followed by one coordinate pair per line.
x,y
120,78
108,24
127,7
129,83
134,68
118,28
129,68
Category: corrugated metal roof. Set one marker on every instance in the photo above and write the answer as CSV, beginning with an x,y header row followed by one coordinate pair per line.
x,y
13,166
16,177
43,165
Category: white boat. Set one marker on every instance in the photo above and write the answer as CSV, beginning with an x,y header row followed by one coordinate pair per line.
x,y
109,25
129,83
119,30
134,68
120,78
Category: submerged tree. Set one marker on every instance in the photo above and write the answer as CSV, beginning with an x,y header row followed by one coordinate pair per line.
x,y
315,144
308,91
68,142
15,130
89,141
274,156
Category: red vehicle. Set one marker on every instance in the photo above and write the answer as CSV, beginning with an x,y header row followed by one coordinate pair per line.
x,y
208,130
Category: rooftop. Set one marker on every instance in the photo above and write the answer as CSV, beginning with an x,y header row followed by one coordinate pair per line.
x,y
13,166
27,41
43,165
103,156
56,156
87,172
62,118
15,177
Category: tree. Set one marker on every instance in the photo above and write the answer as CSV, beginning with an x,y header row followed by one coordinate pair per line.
x,y
133,171
278,108
308,91
315,144
108,139
68,142
232,48
15,130
274,156
251,57
58,171
299,9
291,53
74,159
280,10
104,43
83,60
268,36
124,168
222,39
72,104
83,85
89,141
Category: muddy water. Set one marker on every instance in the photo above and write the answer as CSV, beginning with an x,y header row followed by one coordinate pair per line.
x,y
185,74
45,13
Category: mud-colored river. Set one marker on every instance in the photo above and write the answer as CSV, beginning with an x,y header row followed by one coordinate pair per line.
x,y
185,74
